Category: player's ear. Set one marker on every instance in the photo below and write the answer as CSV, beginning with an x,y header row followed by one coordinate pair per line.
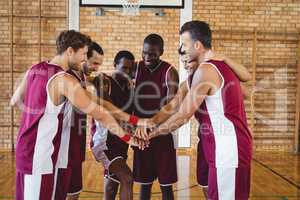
x,y
161,52
69,51
198,45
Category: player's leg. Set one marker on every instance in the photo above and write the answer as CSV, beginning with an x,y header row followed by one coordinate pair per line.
x,y
144,171
167,192
202,170
145,191
205,192
73,196
121,170
29,186
110,189
75,183
230,183
166,165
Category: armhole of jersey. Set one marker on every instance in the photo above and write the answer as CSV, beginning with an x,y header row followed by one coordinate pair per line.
x,y
108,79
109,85
188,84
220,74
137,71
166,79
47,89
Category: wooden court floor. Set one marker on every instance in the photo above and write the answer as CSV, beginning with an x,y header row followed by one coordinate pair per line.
x,y
275,176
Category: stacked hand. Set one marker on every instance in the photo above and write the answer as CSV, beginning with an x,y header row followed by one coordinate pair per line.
x,y
140,143
146,129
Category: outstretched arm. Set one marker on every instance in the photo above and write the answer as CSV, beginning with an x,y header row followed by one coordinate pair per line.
x,y
102,86
66,85
204,78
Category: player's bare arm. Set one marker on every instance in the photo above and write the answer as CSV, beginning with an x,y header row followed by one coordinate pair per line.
x,y
18,95
166,111
240,70
245,91
172,83
205,82
103,88
66,86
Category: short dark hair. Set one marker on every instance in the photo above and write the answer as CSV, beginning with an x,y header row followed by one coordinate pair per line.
x,y
71,38
123,54
199,30
155,39
94,46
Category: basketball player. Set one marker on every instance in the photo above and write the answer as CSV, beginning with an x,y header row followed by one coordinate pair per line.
x,y
107,147
243,75
78,129
48,93
156,82
212,92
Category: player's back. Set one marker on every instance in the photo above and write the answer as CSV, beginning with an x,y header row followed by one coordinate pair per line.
x,y
41,125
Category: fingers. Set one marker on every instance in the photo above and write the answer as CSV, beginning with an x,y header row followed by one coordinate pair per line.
x,y
142,133
146,122
155,133
141,144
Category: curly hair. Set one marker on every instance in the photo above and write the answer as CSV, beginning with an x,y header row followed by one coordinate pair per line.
x,y
71,38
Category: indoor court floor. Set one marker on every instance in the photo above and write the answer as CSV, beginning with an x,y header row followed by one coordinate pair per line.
x,y
275,176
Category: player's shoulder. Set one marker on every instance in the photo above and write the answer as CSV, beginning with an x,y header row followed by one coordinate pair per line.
x,y
205,72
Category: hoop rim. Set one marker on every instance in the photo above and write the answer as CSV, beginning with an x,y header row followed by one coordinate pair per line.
x,y
142,6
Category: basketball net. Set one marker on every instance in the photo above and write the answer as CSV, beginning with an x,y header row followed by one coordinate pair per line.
x,y
131,7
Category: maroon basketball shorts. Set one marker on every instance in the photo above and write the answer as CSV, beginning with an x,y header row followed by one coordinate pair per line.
x,y
156,162
228,183
108,151
41,186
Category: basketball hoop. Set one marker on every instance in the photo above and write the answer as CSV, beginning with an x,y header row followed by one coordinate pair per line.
x,y
131,7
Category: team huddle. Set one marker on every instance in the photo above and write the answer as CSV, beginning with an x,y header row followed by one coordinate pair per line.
x,y
139,104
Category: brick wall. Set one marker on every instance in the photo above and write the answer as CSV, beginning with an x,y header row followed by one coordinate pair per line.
x,y
128,32
26,50
233,23
276,68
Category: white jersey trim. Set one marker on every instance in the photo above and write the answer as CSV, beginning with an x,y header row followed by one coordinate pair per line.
x,y
47,130
226,183
226,148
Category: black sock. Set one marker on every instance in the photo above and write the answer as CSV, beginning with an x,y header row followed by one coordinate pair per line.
x,y
167,192
145,193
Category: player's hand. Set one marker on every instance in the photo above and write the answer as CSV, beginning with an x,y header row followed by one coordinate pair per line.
x,y
141,144
154,133
161,130
141,133
148,123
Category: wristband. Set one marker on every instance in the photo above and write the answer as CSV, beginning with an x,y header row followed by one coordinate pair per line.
x,y
126,138
133,120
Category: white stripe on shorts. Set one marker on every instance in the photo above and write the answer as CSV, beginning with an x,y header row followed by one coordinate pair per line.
x,y
32,186
226,183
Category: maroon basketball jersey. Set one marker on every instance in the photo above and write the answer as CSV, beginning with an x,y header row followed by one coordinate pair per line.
x,y
121,95
78,129
223,130
151,93
41,128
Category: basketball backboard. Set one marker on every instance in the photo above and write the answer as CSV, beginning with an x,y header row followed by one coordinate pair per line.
x,y
144,4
